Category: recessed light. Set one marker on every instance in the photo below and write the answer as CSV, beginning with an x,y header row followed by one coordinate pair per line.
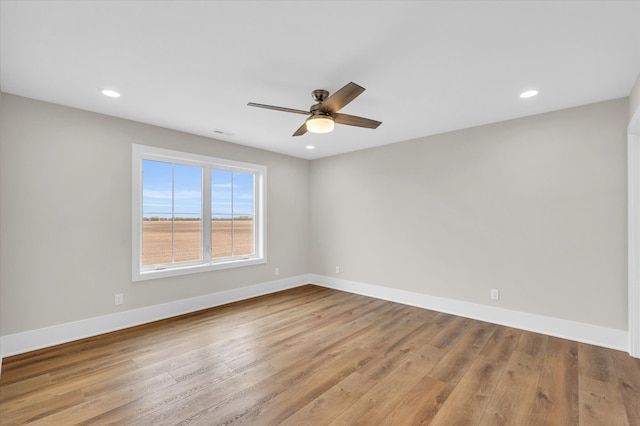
x,y
311,147
529,94
110,93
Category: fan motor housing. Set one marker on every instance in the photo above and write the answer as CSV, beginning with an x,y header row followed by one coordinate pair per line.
x,y
318,110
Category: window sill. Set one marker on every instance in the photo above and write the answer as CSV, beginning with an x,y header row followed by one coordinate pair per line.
x,y
174,271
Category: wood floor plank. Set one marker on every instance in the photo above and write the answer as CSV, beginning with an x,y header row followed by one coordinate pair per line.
x,y
468,401
502,344
451,333
329,405
246,386
601,404
280,407
39,407
353,388
385,395
596,363
291,398
77,386
556,399
221,336
317,356
11,390
92,408
513,397
628,375
454,364
387,337
191,359
391,339
421,404
162,405
533,344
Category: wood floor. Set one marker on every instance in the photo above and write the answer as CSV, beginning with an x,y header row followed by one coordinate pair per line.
x,y
315,356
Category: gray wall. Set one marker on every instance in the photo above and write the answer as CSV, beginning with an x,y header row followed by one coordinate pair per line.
x,y
65,215
535,207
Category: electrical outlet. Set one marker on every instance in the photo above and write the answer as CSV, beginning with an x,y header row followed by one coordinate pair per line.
x,y
495,294
119,299
337,269
277,271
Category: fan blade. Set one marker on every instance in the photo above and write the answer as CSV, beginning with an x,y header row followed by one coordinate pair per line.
x,y
342,97
301,130
277,108
352,120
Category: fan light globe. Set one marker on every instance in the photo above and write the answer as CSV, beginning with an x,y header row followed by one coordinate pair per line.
x,y
320,124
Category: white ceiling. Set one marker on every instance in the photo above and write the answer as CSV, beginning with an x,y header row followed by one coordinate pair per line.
x,y
428,67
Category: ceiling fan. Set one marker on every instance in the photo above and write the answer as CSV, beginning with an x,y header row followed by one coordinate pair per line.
x,y
324,114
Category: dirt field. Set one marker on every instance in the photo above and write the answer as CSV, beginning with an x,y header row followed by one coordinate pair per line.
x,y
156,240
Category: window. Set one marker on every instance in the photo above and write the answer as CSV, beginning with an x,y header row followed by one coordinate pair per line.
x,y
193,213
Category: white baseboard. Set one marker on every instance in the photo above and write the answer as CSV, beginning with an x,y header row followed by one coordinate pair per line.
x,y
580,332
27,341
14,344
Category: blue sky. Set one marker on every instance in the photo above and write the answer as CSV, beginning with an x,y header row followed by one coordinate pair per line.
x,y
231,192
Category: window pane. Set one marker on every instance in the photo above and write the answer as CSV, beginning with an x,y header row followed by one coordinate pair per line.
x,y
157,200
221,239
187,189
187,232
156,240
243,214
242,194
243,236
172,213
187,207
156,188
221,181
221,213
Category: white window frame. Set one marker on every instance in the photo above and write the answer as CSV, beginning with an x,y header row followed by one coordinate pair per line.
x,y
143,152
